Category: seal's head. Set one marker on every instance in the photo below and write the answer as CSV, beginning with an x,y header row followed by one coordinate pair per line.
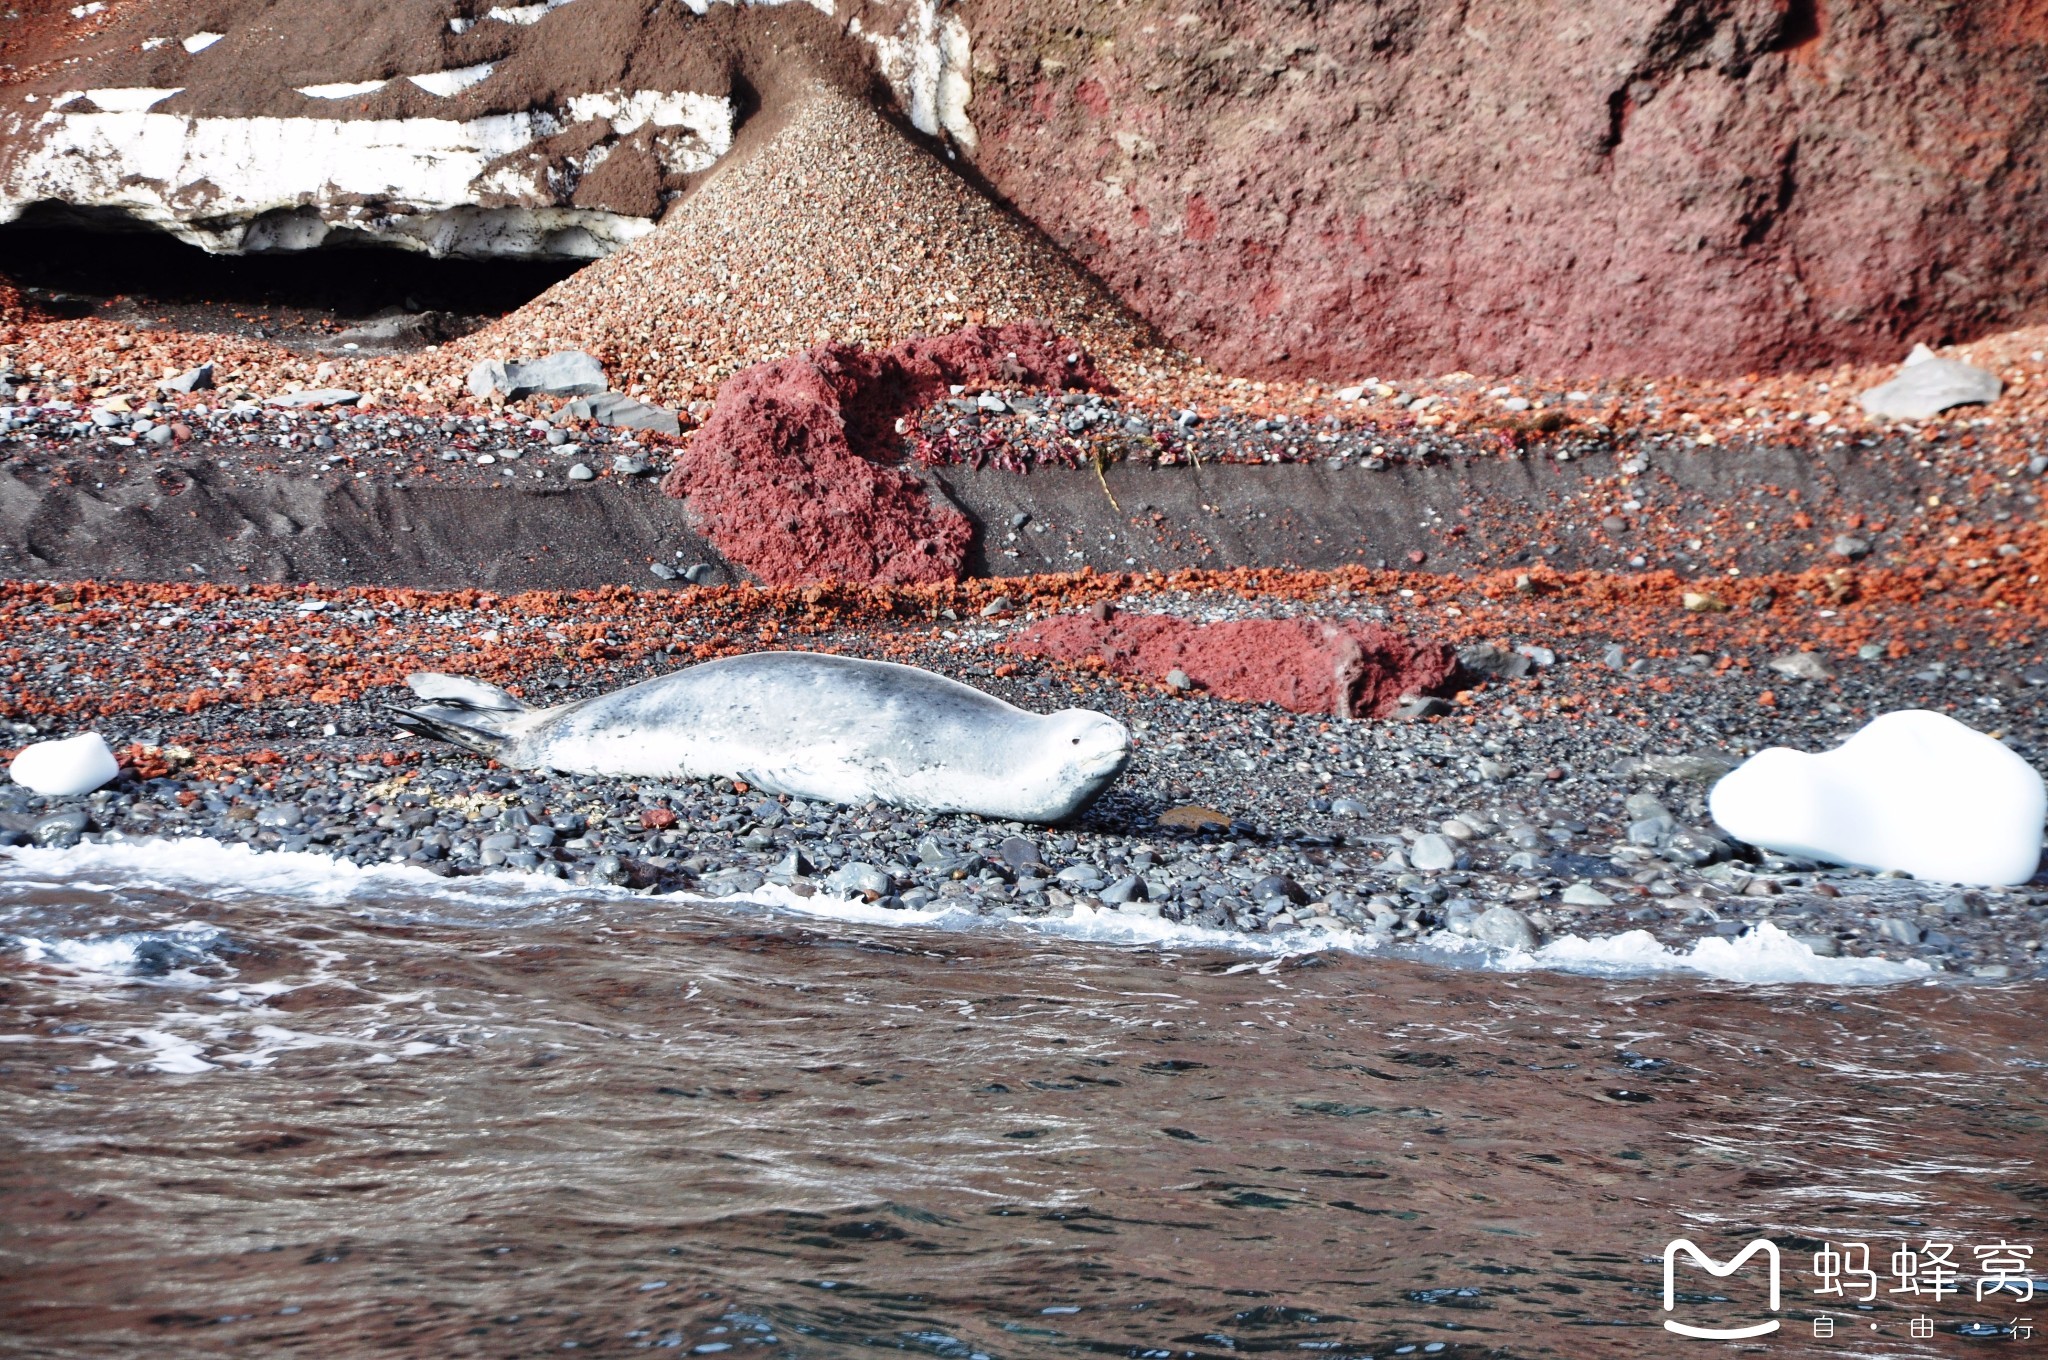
x,y
1077,754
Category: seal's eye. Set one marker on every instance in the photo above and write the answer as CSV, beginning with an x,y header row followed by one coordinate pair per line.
x,y
1076,741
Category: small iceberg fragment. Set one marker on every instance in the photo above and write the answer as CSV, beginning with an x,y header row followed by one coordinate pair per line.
x,y
1927,385
64,769
199,42
1913,791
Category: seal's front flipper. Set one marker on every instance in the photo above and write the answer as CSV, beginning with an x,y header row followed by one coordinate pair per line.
x,y
459,691
458,726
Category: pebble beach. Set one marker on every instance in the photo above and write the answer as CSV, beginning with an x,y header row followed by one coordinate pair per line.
x,y
1560,793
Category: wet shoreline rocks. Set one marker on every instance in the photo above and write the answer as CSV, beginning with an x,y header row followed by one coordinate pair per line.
x,y
1503,875
1570,791
1436,836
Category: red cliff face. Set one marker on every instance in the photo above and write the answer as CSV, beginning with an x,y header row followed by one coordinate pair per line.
x,y
1705,186
1329,188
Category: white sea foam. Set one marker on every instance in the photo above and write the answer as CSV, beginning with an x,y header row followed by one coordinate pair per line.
x,y
173,1054
112,954
230,871
1766,955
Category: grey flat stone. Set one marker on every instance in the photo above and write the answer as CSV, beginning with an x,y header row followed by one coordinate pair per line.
x,y
1584,895
317,399
1927,386
857,879
626,413
1700,767
191,380
566,373
1433,854
1504,928
1129,888
488,376
1801,666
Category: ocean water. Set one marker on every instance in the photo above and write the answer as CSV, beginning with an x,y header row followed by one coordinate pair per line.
x,y
274,1106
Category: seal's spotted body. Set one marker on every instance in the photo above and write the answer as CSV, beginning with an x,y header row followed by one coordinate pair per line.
x,y
830,728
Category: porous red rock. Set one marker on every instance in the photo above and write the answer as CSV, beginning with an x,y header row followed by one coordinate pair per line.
x,y
13,307
785,478
1309,665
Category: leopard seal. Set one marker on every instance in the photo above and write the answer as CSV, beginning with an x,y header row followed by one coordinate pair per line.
x,y
830,728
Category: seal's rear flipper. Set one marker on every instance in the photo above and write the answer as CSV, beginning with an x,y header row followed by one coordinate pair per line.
x,y
454,725
458,691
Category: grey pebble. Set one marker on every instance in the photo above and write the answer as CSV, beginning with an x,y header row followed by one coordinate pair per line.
x,y
1433,854
1505,928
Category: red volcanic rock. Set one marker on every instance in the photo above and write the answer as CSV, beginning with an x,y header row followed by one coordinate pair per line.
x,y
784,479
1619,186
1305,664
13,307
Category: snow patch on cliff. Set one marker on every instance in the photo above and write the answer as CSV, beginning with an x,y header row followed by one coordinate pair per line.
x,y
476,186
341,89
927,60
467,187
446,83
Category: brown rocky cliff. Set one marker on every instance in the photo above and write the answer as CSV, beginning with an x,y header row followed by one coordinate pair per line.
x,y
1706,186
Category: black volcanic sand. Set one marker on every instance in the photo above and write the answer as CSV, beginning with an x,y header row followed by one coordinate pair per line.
x,y
386,497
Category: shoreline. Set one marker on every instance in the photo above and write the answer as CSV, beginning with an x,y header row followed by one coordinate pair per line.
x,y
1763,954
1527,794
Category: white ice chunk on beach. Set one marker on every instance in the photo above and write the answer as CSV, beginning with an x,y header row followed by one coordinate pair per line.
x,y
199,42
65,769
1913,791
1927,385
